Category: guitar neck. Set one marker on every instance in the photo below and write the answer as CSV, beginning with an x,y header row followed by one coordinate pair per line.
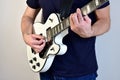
x,y
92,5
60,27
87,9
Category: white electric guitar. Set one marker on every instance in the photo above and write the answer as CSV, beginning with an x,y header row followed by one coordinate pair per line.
x,y
54,30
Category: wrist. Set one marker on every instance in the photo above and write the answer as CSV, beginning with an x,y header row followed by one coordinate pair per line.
x,y
92,31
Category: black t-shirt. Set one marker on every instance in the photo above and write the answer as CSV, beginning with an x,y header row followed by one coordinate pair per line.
x,y
80,58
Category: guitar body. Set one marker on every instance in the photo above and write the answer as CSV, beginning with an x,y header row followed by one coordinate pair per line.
x,y
41,62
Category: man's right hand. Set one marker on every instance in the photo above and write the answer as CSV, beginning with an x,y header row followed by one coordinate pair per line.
x,y
36,42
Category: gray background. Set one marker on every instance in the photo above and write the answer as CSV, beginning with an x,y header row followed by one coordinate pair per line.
x,y
13,57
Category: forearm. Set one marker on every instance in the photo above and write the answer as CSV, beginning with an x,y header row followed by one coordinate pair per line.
x,y
28,20
26,25
101,27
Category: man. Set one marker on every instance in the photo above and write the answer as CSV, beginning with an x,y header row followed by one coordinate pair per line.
x,y
79,62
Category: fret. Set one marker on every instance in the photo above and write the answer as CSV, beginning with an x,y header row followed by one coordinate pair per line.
x,y
67,22
56,31
63,26
53,31
49,34
59,27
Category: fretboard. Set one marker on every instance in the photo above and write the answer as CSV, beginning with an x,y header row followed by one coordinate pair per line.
x,y
87,9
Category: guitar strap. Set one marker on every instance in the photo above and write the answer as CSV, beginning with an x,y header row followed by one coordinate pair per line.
x,y
65,6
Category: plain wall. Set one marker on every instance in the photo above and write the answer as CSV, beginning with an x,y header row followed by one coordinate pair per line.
x,y
13,56
108,47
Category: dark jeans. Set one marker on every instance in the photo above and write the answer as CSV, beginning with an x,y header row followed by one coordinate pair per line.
x,y
44,76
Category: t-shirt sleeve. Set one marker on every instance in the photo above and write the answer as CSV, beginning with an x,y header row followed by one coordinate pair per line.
x,y
33,4
104,5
